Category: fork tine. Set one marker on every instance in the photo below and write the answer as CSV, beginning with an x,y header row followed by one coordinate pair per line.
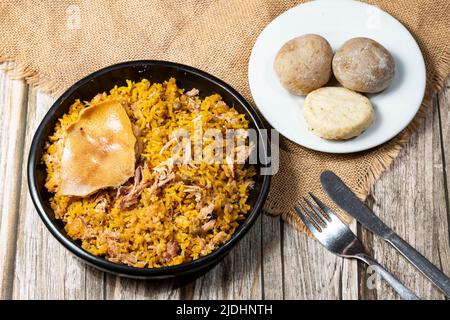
x,y
318,221
321,216
314,230
325,209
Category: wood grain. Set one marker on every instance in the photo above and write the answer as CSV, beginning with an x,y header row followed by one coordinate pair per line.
x,y
272,252
349,279
12,118
118,288
415,209
273,261
443,103
312,272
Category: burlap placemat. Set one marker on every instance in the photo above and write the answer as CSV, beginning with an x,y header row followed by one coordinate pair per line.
x,y
54,43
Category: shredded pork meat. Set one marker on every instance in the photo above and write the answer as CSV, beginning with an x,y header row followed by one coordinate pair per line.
x,y
132,193
209,226
172,250
164,172
101,206
206,212
193,92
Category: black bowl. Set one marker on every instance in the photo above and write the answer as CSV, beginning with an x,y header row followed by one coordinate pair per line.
x,y
103,80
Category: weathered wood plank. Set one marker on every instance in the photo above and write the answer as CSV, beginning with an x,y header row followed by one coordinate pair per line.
x,y
44,269
215,284
272,267
411,199
247,261
13,99
366,283
312,272
444,117
350,275
118,288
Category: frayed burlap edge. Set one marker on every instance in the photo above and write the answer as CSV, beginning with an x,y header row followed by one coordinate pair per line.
x,y
382,162
23,71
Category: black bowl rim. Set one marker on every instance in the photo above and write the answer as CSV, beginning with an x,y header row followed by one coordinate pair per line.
x,y
101,262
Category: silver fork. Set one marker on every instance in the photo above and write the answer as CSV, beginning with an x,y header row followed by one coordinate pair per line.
x,y
337,237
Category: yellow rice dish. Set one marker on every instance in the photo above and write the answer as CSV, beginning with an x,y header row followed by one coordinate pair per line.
x,y
167,211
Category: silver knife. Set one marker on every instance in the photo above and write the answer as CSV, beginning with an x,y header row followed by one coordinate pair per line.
x,y
348,201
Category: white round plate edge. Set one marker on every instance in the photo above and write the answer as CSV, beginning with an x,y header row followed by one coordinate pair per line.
x,y
343,146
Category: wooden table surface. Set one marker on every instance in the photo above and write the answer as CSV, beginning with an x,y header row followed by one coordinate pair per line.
x,y
273,261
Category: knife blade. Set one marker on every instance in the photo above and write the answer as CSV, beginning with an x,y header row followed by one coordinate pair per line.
x,y
349,202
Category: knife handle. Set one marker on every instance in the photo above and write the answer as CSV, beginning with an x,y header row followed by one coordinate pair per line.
x,y
421,263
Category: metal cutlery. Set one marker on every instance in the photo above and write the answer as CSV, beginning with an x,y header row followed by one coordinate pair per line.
x,y
348,201
334,235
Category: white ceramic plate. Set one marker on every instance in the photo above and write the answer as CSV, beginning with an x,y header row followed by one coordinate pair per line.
x,y
338,21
